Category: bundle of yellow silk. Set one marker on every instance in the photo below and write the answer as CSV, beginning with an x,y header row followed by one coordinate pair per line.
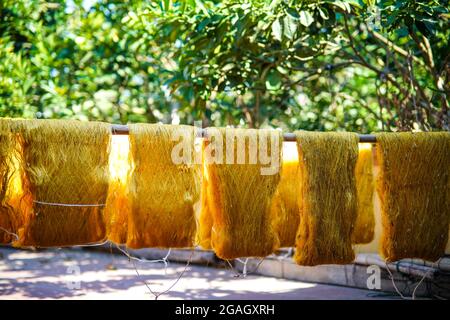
x,y
328,200
117,206
413,185
365,222
66,177
205,222
10,189
164,186
240,191
285,202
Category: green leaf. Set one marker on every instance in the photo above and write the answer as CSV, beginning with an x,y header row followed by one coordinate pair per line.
x,y
343,5
202,7
228,67
323,13
306,18
290,27
293,13
277,29
273,81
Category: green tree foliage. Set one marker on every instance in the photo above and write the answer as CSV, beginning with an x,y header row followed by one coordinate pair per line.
x,y
315,65
66,59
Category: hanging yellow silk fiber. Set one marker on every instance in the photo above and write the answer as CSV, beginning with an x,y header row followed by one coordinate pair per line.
x,y
66,179
205,222
285,202
413,185
10,189
365,222
163,192
328,200
118,203
239,195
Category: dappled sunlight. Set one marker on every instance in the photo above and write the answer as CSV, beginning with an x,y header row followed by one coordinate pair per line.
x,y
290,153
364,146
47,274
118,157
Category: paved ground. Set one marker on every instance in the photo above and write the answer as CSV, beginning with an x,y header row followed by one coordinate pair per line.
x,y
81,274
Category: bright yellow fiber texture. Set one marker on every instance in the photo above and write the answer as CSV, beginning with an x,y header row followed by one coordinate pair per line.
x,y
10,214
328,200
413,185
365,222
163,192
118,203
205,222
66,177
285,202
239,195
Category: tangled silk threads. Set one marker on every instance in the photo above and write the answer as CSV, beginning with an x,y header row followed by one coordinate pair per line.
x,y
328,201
65,180
164,186
413,185
285,208
11,217
365,222
239,190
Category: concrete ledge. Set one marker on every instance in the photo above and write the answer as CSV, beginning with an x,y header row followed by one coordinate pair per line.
x,y
406,273
406,276
196,256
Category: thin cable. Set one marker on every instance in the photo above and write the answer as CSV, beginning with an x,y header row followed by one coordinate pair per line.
x,y
413,297
68,205
130,257
244,271
10,234
393,283
420,282
158,294
93,244
236,273
287,255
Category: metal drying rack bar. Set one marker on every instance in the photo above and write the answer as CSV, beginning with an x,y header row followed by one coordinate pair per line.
x,y
120,129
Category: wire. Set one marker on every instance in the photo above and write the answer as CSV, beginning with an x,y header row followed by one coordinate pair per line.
x,y
413,297
130,257
68,204
244,273
158,294
10,233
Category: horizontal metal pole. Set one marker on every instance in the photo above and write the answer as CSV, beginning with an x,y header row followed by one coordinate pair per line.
x,y
120,129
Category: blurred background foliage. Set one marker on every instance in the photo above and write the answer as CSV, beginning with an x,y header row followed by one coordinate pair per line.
x,y
316,65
